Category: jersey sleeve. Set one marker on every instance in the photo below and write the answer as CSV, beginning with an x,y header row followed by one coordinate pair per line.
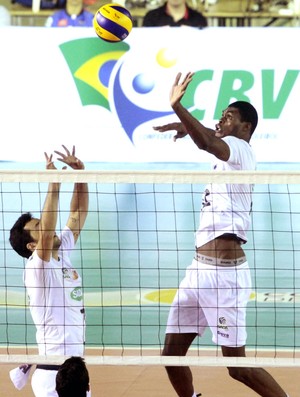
x,y
232,142
67,240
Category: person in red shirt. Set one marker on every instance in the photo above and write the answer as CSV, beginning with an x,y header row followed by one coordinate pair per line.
x,y
175,13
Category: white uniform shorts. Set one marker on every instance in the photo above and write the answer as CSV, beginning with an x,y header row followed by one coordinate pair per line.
x,y
215,297
43,383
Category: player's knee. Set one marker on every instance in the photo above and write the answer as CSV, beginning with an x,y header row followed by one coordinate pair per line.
x,y
168,351
240,374
173,350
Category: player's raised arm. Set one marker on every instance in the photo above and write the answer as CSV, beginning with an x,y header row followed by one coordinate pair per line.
x,y
46,225
203,137
80,199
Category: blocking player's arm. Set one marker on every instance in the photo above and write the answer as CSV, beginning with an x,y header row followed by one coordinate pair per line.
x,y
203,137
47,223
78,209
80,198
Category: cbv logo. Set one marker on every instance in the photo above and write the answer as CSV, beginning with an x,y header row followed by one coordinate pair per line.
x,y
236,84
97,71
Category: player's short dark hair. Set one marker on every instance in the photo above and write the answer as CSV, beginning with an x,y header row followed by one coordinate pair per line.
x,y
72,379
248,113
19,237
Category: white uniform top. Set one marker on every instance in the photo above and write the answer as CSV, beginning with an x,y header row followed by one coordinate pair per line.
x,y
226,207
56,301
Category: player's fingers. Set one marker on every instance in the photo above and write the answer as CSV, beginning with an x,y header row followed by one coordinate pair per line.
x,y
186,77
66,149
187,80
160,128
177,78
62,155
48,158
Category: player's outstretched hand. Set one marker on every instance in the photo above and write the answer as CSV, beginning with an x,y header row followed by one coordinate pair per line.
x,y
70,159
179,87
49,162
179,127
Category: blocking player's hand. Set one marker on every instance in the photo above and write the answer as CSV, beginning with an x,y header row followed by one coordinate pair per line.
x,y
70,159
49,162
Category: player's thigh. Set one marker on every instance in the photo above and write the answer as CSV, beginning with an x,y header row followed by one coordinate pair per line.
x,y
178,344
186,315
228,351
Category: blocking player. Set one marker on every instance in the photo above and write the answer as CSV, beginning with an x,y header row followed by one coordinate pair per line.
x,y
53,285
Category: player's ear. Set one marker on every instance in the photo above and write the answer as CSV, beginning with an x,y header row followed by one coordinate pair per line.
x,y
31,246
248,126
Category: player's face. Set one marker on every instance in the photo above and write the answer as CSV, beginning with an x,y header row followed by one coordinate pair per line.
x,y
229,124
33,226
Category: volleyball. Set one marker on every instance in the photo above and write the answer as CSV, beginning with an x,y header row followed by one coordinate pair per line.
x,y
112,22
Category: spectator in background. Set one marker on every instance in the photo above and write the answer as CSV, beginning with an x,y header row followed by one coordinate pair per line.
x,y
5,19
73,15
175,13
72,379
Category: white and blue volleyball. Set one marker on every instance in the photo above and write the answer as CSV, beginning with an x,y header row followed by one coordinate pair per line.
x,y
112,22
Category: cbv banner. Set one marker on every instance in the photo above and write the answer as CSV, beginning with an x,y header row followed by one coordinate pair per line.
x,y
67,86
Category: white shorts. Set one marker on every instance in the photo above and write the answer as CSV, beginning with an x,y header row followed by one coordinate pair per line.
x,y
215,297
43,383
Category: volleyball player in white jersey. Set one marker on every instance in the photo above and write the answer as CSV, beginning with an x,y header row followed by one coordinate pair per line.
x,y
53,285
217,285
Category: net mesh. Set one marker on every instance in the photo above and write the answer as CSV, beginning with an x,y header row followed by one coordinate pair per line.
x,y
132,253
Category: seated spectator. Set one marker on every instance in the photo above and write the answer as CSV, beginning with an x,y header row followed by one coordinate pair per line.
x,y
175,13
72,379
73,15
44,4
4,16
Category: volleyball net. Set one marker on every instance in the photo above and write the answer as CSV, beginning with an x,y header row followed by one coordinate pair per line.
x,y
136,244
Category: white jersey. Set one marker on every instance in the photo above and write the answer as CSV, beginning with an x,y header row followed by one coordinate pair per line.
x,y
226,207
56,301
